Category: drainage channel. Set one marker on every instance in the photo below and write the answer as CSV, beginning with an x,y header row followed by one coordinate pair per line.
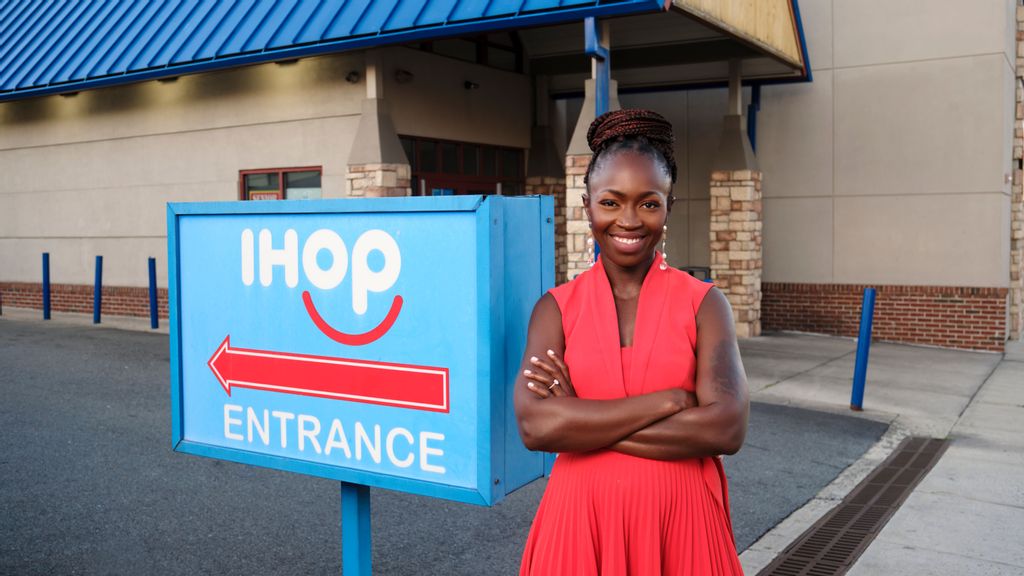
x,y
833,543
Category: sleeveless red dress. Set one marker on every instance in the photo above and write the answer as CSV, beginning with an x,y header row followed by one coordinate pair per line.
x,y
609,513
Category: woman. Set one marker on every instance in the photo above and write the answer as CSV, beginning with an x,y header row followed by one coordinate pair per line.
x,y
633,375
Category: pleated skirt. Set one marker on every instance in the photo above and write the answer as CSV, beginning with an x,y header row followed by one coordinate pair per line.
x,y
618,515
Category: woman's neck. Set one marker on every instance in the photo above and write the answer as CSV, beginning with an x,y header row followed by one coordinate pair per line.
x,y
626,282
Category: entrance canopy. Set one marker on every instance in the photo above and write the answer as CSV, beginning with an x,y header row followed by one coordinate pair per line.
x,y
62,47
690,43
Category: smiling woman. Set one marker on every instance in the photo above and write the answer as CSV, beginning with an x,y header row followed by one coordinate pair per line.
x,y
632,374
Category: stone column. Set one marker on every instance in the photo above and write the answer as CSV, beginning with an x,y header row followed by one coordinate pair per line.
x,y
377,165
577,228
553,186
736,262
545,173
1016,293
577,157
375,180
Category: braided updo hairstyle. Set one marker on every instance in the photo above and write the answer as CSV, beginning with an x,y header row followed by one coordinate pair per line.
x,y
640,131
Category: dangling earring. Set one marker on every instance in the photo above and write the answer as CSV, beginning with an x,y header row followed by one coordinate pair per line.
x,y
664,255
590,251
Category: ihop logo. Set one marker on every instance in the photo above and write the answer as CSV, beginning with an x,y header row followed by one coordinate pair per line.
x,y
262,263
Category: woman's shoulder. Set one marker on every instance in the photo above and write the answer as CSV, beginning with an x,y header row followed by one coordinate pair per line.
x,y
688,287
564,293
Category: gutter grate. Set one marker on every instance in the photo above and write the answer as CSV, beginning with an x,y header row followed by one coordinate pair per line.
x,y
833,543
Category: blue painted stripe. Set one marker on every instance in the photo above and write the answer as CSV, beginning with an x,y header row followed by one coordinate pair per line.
x,y
51,47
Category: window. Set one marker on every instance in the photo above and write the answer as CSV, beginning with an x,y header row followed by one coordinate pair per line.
x,y
443,167
280,184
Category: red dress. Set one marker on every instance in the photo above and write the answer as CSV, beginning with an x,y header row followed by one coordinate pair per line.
x,y
609,513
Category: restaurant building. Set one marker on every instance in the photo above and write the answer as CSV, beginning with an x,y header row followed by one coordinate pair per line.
x,y
823,146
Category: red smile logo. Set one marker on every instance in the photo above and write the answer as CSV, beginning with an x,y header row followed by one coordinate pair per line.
x,y
353,339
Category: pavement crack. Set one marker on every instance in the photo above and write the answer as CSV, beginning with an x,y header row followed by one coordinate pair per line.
x,y
969,498
970,401
801,373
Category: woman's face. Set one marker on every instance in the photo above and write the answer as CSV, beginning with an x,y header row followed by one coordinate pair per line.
x,y
628,204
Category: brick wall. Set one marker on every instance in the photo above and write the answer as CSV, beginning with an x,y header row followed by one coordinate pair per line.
x,y
948,316
117,300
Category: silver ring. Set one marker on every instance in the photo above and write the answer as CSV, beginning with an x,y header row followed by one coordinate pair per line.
x,y
555,383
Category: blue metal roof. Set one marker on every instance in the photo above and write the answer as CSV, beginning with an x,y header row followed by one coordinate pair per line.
x,y
55,46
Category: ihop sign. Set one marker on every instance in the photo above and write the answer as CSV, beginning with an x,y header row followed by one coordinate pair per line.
x,y
372,341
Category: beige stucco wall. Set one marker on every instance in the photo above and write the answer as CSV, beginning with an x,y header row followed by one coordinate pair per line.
x,y
436,104
91,174
891,166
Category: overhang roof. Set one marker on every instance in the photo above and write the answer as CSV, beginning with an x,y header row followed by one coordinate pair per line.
x,y
681,48
59,47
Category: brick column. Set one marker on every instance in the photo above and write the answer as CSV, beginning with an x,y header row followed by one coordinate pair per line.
x,y
577,228
736,263
1016,293
553,186
375,180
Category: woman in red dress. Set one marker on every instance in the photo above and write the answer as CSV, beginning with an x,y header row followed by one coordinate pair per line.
x,y
633,375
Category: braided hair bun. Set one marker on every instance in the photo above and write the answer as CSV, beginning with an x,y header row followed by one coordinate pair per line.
x,y
642,131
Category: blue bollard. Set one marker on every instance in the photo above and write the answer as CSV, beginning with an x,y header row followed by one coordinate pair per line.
x,y
154,320
97,291
356,549
46,285
860,371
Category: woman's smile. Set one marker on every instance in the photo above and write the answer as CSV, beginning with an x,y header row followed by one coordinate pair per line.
x,y
628,243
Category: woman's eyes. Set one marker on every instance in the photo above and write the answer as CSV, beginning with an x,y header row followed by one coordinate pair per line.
x,y
650,205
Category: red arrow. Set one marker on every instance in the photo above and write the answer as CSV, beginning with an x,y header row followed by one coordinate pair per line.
x,y
401,385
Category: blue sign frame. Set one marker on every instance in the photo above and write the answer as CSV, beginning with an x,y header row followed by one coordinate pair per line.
x,y
513,240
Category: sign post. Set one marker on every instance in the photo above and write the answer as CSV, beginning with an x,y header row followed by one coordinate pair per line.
x,y
371,341
356,535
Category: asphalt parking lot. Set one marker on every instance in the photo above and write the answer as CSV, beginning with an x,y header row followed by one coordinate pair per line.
x,y
89,483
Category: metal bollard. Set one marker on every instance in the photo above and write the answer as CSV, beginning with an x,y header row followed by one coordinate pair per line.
x,y
860,371
46,285
154,320
97,291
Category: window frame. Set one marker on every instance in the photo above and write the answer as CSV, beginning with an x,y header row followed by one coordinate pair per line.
x,y
280,178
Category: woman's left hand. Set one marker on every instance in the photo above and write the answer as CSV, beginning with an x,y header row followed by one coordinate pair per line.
x,y
549,377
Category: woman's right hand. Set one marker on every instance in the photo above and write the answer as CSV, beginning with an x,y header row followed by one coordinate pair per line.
x,y
550,377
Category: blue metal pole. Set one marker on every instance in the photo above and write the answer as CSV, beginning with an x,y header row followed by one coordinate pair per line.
x,y
97,291
752,110
602,59
601,56
46,285
356,551
154,320
860,371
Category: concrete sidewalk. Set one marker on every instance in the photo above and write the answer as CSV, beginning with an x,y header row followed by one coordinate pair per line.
x,y
965,517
